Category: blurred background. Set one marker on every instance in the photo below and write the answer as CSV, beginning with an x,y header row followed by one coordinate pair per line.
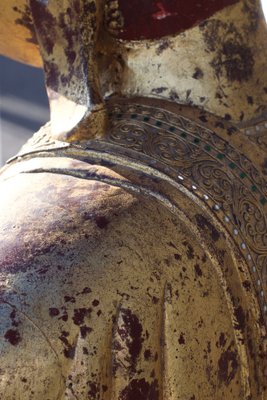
x,y
23,104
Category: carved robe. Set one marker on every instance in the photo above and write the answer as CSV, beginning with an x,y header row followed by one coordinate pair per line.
x,y
133,246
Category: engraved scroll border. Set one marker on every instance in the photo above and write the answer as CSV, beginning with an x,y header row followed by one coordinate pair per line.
x,y
228,180
200,160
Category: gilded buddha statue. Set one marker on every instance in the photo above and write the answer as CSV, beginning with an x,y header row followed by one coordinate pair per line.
x,y
133,245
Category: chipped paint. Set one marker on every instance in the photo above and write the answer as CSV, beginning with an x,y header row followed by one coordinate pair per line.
x,y
138,271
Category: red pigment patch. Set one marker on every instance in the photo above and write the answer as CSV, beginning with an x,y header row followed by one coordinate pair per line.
x,y
13,336
227,366
140,390
151,19
80,314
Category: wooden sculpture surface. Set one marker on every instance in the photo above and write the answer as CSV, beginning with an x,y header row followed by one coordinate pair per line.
x,y
133,247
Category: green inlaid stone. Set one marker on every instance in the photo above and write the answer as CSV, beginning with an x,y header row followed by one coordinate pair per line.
x,y
133,116
196,140
254,188
263,201
158,123
172,129
242,175
220,156
232,165
146,119
207,147
184,134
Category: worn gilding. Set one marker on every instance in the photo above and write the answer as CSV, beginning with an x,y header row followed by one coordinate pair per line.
x,y
133,247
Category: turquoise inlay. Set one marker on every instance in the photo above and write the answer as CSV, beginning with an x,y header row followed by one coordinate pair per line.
x,y
242,175
172,129
207,147
232,165
133,116
158,123
254,188
146,119
184,134
220,156
263,201
196,140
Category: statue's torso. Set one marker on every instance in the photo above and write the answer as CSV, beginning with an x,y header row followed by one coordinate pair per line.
x,y
120,277
106,296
